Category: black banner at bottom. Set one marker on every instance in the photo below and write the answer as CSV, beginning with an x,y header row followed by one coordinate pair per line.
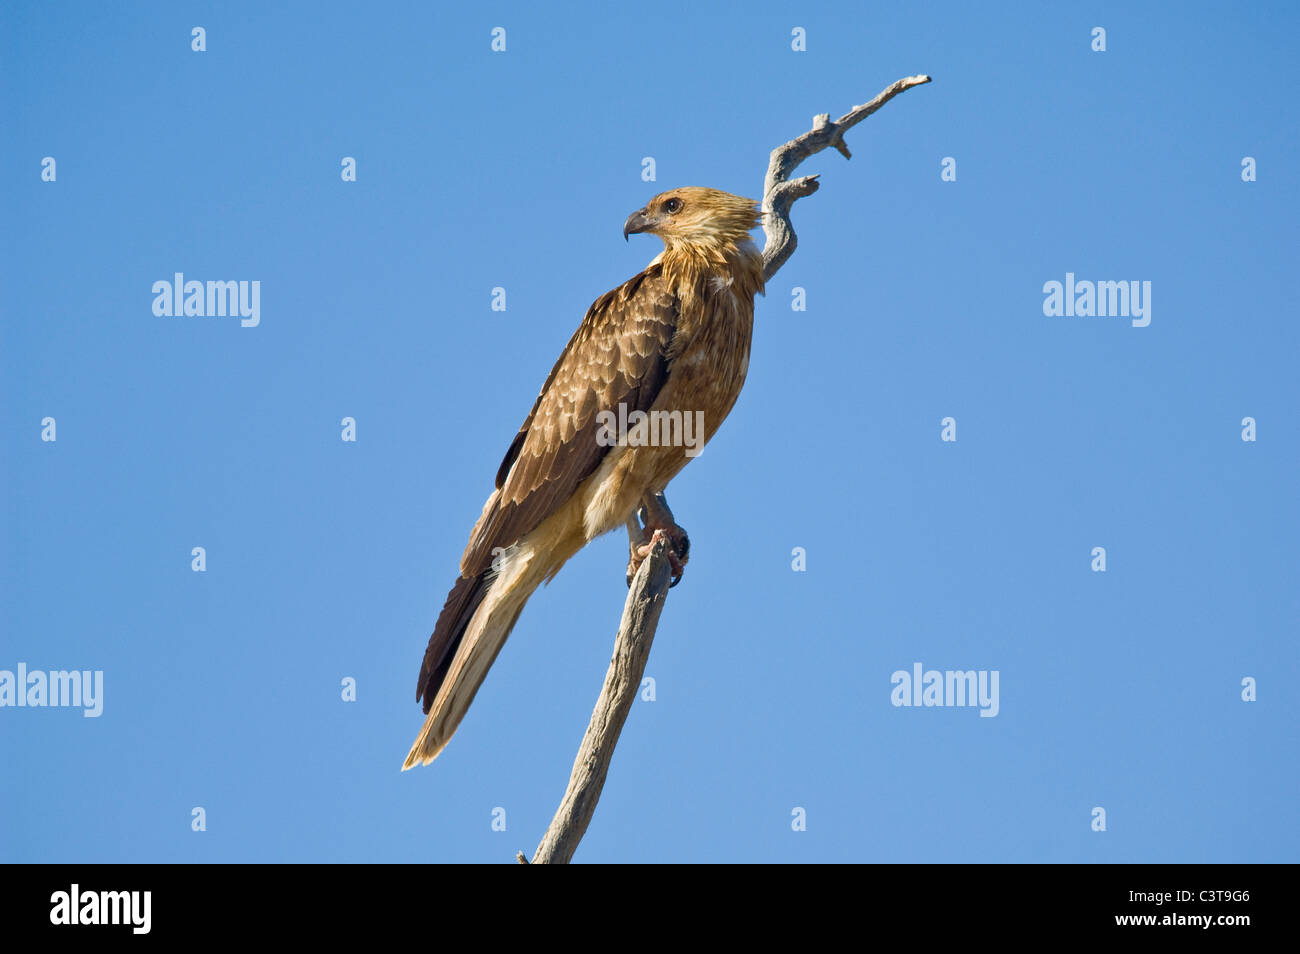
x,y
335,903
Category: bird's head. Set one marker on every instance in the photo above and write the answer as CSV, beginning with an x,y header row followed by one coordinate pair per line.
x,y
695,216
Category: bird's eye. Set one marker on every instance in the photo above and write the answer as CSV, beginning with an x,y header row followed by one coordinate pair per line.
x,y
672,205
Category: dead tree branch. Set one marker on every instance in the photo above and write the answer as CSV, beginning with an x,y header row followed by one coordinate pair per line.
x,y
780,191
649,589
636,632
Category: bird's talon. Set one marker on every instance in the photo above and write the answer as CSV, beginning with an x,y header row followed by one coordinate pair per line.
x,y
679,546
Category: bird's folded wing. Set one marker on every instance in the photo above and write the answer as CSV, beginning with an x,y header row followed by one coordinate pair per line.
x,y
618,355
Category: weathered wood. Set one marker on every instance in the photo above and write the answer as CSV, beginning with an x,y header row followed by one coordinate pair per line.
x,y
780,191
636,633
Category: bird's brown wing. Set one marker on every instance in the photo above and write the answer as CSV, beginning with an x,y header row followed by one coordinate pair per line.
x,y
617,356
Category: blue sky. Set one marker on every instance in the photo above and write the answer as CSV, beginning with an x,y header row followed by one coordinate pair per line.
x,y
328,559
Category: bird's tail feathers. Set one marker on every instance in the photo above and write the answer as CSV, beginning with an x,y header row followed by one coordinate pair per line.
x,y
497,610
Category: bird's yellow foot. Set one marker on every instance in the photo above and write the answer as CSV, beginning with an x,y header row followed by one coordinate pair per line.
x,y
679,550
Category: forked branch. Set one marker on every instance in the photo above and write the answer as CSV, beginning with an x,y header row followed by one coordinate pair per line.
x,y
780,191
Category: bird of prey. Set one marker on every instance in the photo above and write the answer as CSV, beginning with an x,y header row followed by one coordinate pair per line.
x,y
667,349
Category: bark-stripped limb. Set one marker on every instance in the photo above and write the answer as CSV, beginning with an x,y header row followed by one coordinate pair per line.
x,y
780,191
636,633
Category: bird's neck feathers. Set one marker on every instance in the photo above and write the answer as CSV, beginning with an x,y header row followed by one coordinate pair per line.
x,y
731,256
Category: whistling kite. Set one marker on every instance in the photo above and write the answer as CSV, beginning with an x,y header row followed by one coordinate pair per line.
x,y
674,338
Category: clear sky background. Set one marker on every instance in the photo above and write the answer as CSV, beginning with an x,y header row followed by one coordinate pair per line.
x,y
477,169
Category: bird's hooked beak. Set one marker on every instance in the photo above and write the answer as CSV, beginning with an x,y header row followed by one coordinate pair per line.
x,y
638,221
